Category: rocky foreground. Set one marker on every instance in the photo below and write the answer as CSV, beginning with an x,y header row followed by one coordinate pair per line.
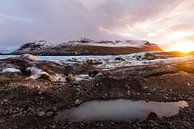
x,y
86,47
32,92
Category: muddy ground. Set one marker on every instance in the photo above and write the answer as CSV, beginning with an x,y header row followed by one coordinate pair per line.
x,y
30,104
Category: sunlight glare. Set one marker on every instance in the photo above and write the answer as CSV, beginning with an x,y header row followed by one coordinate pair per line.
x,y
184,47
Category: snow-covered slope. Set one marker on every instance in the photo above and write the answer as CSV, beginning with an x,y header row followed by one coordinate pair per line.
x,y
6,50
88,47
125,43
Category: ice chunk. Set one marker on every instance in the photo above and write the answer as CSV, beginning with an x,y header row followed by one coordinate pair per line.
x,y
11,70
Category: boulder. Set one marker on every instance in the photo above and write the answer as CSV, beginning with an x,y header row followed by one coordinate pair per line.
x,y
152,116
16,63
46,76
93,73
70,78
119,59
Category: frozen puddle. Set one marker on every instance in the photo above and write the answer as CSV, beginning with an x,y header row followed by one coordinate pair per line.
x,y
119,110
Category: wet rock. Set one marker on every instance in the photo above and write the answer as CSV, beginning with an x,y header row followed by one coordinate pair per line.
x,y
40,92
49,113
77,102
7,65
15,63
93,62
70,78
72,60
152,116
41,113
152,123
149,56
128,92
37,73
82,77
54,109
93,73
119,59
54,67
145,87
46,76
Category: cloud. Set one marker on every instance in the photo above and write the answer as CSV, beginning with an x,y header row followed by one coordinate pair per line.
x,y
91,4
61,20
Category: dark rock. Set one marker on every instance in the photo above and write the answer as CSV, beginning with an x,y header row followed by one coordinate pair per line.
x,y
149,56
119,59
93,62
70,78
17,63
93,73
41,113
77,102
152,116
136,85
46,76
49,113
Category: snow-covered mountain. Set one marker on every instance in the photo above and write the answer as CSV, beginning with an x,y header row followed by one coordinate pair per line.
x,y
6,50
88,47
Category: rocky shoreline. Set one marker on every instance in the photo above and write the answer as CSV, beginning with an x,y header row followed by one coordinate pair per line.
x,y
32,96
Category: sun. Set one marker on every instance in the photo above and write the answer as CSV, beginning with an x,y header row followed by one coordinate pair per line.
x,y
184,47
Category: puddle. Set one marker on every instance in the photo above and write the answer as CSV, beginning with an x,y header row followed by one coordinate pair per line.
x,y
119,110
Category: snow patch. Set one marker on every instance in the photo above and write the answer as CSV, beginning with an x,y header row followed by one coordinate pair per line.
x,y
35,72
82,77
11,70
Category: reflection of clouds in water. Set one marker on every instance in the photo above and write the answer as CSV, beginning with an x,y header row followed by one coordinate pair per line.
x,y
120,110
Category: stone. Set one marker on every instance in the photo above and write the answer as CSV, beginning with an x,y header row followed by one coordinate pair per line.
x,y
93,73
50,113
119,59
77,102
46,76
70,78
41,113
152,116
54,109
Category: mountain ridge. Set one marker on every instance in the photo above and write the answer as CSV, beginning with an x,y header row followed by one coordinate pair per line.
x,y
87,47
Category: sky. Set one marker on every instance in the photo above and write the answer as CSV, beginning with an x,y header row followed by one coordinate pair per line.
x,y
169,23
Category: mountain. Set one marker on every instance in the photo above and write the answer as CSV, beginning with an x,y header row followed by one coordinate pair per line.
x,y
87,47
5,51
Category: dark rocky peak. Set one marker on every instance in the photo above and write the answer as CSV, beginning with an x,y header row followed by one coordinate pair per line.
x,y
105,41
37,45
82,40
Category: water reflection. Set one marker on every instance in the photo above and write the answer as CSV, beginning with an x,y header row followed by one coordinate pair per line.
x,y
119,110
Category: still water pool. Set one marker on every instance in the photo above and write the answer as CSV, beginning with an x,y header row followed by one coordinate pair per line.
x,y
119,110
